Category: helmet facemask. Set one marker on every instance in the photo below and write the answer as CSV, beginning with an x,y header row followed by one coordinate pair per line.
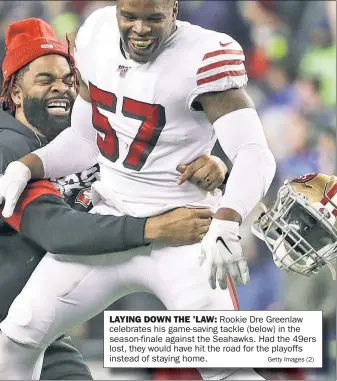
x,y
301,238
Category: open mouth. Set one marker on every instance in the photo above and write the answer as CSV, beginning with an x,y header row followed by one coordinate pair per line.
x,y
58,107
141,45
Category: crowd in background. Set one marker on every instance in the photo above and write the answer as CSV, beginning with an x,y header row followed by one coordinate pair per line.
x,y
291,62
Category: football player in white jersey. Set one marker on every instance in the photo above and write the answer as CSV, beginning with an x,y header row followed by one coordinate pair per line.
x,y
155,93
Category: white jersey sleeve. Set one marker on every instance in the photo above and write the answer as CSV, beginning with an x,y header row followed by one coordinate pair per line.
x,y
218,65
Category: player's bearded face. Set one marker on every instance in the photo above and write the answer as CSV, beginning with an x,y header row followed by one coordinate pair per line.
x,y
46,93
145,26
49,122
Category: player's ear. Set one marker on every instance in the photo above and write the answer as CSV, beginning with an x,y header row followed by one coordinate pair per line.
x,y
17,95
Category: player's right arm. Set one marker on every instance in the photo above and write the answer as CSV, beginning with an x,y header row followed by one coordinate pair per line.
x,y
43,216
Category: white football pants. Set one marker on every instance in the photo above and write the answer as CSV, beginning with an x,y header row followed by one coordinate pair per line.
x,y
66,290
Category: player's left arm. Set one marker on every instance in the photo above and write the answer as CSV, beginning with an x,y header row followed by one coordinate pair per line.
x,y
220,93
241,136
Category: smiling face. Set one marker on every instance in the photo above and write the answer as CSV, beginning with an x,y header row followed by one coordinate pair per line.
x,y
144,25
44,95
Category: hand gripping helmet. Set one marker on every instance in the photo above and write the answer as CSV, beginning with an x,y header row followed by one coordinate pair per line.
x,y
300,228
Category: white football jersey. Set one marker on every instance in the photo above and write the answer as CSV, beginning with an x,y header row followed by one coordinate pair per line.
x,y
144,112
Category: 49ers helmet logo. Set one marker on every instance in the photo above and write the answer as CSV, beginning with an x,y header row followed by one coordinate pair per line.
x,y
305,178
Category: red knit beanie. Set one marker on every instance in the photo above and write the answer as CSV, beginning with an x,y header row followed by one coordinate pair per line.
x,y
27,40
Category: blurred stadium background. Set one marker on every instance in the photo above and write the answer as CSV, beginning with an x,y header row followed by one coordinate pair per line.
x,y
291,61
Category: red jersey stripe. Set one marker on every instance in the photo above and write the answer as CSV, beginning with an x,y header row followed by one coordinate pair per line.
x,y
31,193
215,77
219,64
222,51
331,193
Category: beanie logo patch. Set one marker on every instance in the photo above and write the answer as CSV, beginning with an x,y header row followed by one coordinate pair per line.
x,y
47,46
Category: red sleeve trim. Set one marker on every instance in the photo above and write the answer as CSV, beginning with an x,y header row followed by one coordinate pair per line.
x,y
218,64
222,52
31,193
215,77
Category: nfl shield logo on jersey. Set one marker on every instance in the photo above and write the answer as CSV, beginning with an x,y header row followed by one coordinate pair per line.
x,y
123,70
